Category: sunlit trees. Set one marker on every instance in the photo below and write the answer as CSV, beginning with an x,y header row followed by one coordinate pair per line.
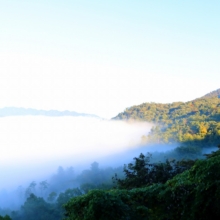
x,y
194,121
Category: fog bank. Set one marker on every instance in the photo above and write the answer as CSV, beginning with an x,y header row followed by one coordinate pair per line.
x,y
34,146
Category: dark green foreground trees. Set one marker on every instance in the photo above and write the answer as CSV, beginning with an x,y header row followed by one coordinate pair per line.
x,y
6,217
193,194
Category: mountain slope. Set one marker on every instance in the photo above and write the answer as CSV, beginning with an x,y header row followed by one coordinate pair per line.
x,y
212,94
196,121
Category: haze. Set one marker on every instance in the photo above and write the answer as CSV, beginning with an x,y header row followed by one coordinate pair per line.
x,y
34,146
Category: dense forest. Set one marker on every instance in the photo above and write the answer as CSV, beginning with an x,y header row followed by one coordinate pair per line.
x,y
185,189
45,199
181,184
195,122
183,192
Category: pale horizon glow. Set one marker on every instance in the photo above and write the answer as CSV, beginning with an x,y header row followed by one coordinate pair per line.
x,y
100,58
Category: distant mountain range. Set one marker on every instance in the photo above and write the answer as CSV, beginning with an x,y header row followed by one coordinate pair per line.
x,y
14,111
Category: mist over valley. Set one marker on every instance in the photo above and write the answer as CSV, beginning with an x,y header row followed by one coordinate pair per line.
x,y
36,145
61,157
109,110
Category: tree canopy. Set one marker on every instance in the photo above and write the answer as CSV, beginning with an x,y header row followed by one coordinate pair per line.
x,y
192,194
195,122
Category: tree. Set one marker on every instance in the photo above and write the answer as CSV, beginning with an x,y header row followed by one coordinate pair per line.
x,y
35,208
52,196
43,186
6,217
143,173
192,194
31,189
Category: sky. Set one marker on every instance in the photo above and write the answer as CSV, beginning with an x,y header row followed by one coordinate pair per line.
x,y
100,57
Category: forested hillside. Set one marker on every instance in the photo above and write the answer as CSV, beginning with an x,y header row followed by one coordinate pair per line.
x,y
195,122
185,188
213,94
192,194
146,191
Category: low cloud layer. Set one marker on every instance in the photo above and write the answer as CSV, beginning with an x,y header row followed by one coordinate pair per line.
x,y
33,147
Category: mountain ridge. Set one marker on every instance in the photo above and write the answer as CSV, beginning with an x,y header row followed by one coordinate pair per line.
x,y
16,111
195,122
215,93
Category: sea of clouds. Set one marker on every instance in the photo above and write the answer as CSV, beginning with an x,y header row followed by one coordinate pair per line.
x,y
32,147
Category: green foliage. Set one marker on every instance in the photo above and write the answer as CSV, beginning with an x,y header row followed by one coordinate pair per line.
x,y
100,204
186,152
143,173
193,194
59,190
6,217
51,197
195,122
212,94
35,208
197,190
95,177
214,154
67,195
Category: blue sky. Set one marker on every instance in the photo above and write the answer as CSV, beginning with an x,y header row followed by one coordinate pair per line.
x,y
100,57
